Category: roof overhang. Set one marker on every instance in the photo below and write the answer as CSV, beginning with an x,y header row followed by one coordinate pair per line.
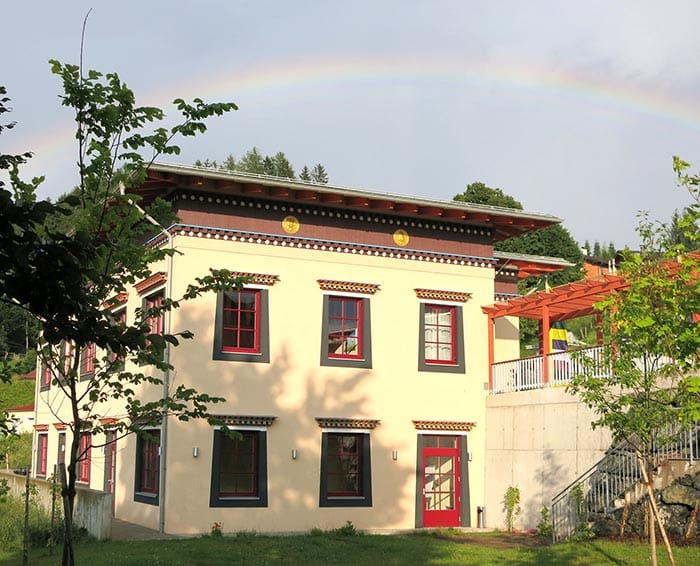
x,y
163,179
529,265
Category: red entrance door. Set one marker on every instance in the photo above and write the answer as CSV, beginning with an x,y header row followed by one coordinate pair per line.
x,y
441,481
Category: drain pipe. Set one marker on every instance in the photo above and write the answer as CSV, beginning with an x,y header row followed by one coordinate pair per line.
x,y
163,449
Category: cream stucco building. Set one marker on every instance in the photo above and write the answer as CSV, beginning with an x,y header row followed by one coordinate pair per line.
x,y
355,364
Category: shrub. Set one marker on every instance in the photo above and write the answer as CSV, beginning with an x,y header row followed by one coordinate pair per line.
x,y
544,527
511,505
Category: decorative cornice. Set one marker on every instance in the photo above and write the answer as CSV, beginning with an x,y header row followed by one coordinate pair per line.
x,y
151,282
246,420
351,248
444,425
505,296
116,301
258,278
41,427
60,426
435,295
348,287
332,422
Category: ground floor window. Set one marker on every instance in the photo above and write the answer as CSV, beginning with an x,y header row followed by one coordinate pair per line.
x,y
84,459
239,469
346,474
147,466
41,451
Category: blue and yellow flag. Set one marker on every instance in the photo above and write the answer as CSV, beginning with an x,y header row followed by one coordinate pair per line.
x,y
557,337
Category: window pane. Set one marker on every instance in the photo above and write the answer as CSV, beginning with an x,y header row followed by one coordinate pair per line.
x,y
447,441
239,321
237,465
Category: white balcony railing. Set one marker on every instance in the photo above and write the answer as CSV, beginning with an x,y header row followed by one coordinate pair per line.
x,y
528,373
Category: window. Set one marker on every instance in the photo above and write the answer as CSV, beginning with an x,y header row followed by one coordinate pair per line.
x,y
441,343
239,469
84,460
155,321
87,361
147,466
61,459
346,332
118,317
346,477
45,376
67,356
242,326
41,451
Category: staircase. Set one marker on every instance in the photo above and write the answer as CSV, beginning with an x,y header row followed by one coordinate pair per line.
x,y
604,486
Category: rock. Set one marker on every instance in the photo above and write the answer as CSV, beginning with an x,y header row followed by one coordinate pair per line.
x,y
678,494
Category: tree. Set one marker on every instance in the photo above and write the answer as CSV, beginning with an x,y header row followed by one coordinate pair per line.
x,y
68,278
650,391
319,175
305,174
479,193
552,241
252,162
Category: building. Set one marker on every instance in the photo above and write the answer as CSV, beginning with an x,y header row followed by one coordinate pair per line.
x,y
355,364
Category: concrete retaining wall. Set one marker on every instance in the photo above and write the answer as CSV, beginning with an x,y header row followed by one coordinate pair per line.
x,y
539,441
93,509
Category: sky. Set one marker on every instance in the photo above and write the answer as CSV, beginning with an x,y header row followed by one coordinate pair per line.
x,y
573,108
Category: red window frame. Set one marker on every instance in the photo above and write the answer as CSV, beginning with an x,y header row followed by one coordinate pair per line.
x,y
344,462
88,361
42,450
67,354
239,323
340,325
46,376
85,457
118,317
155,323
437,327
150,462
235,453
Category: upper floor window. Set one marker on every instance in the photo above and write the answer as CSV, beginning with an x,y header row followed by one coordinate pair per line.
x,y
45,376
242,326
346,332
155,321
441,338
87,360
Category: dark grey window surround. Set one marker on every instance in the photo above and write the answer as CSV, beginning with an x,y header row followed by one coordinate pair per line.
x,y
261,499
366,361
264,355
363,501
459,341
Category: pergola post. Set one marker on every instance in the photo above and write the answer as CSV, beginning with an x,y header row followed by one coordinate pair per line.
x,y
546,345
491,338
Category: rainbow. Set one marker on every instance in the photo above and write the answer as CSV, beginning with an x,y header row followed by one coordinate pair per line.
x,y
301,75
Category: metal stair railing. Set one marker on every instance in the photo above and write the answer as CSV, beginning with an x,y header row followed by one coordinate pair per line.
x,y
602,488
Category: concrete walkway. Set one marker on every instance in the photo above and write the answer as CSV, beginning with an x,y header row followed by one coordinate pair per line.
x,y
121,530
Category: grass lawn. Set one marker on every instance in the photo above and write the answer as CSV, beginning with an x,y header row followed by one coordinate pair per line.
x,y
416,549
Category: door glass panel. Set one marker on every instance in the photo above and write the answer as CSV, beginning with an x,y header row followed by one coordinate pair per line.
x,y
447,441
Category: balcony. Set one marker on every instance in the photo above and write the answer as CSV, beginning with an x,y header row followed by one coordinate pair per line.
x,y
551,370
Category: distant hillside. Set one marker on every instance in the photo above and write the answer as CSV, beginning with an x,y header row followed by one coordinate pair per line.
x,y
16,392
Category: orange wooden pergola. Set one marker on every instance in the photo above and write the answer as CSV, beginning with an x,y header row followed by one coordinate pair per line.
x,y
559,303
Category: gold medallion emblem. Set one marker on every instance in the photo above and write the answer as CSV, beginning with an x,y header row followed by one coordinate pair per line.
x,y
290,224
401,238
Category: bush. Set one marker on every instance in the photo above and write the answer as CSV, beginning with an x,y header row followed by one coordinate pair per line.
x,y
511,505
40,532
544,527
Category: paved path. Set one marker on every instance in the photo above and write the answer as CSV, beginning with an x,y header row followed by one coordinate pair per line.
x,y
121,530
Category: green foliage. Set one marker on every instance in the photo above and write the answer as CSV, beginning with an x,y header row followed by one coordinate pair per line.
x,y
511,505
40,531
583,530
16,451
347,530
16,392
253,161
480,193
544,527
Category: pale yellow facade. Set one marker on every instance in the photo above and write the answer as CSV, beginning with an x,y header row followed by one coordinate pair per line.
x,y
393,401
